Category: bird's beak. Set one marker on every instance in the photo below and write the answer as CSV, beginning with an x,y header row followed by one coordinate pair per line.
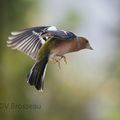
x,y
89,47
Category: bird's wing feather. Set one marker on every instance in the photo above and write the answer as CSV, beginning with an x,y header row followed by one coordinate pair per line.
x,y
27,40
30,40
60,34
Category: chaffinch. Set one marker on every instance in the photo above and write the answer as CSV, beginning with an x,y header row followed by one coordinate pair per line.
x,y
42,43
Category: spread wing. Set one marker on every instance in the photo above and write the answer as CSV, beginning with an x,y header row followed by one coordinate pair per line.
x,y
30,40
27,40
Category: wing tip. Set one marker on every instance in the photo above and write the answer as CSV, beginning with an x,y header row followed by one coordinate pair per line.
x,y
10,38
17,32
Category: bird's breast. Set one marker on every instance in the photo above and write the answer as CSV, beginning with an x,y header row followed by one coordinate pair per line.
x,y
63,47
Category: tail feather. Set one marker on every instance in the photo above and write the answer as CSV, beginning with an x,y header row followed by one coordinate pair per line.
x,y
37,73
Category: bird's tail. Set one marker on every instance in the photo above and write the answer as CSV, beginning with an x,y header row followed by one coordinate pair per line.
x,y
37,73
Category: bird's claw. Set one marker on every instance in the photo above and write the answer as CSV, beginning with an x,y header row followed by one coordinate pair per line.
x,y
64,58
57,60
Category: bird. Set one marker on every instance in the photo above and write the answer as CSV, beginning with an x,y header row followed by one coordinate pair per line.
x,y
44,43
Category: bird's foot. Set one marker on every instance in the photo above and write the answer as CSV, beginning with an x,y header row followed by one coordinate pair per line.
x,y
56,61
64,58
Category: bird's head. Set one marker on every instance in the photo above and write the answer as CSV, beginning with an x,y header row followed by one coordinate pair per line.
x,y
84,43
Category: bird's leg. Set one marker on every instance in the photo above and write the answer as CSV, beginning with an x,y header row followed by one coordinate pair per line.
x,y
58,62
55,60
64,58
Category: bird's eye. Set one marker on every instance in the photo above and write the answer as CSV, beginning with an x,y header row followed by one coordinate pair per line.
x,y
86,41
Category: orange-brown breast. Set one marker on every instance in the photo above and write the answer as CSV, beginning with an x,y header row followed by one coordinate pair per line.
x,y
64,47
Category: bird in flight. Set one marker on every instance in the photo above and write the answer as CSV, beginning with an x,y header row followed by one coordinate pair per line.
x,y
45,43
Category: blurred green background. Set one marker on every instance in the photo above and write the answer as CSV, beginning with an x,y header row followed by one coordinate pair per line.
x,y
87,88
